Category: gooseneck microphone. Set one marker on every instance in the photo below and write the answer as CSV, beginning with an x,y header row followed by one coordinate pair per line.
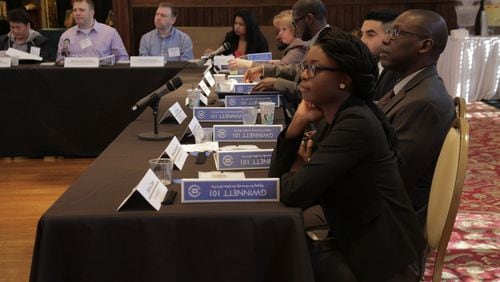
x,y
224,47
170,86
65,48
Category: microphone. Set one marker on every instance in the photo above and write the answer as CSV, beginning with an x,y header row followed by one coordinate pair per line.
x,y
224,47
171,85
65,48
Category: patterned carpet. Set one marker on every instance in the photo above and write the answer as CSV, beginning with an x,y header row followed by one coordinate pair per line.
x,y
473,251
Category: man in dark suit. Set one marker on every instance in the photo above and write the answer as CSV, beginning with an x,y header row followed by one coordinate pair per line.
x,y
373,35
419,108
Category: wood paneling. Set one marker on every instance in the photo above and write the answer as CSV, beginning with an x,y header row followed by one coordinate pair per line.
x,y
135,17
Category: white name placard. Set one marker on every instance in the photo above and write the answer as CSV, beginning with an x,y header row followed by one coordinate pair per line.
x,y
177,112
150,192
146,61
209,78
204,87
175,152
81,62
5,62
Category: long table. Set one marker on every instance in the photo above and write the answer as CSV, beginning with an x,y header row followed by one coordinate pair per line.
x,y
83,238
56,111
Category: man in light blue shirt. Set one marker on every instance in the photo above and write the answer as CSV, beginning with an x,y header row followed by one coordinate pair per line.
x,y
166,40
90,38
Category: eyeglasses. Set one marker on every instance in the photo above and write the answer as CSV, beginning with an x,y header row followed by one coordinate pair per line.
x,y
394,33
296,20
312,70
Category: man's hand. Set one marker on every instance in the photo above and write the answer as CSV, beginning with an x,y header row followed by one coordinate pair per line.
x,y
265,84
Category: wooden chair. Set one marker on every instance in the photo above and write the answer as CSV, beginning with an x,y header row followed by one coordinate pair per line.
x,y
460,107
446,189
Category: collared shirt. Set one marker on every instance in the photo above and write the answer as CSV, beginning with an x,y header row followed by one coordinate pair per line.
x,y
100,41
176,46
404,81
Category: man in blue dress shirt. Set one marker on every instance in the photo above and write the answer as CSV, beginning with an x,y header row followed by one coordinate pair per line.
x,y
89,38
166,40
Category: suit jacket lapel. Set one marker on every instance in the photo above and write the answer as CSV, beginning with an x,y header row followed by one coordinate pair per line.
x,y
427,72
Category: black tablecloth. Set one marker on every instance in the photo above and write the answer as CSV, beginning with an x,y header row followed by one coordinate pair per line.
x,y
55,111
83,238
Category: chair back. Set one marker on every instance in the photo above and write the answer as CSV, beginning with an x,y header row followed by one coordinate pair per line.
x,y
460,107
446,189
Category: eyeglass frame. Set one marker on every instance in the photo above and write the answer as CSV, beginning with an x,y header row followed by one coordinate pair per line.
x,y
313,69
296,20
389,33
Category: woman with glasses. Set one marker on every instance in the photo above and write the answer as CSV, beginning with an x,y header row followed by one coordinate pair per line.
x,y
352,174
293,47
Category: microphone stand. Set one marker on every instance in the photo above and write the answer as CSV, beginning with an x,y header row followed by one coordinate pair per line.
x,y
155,136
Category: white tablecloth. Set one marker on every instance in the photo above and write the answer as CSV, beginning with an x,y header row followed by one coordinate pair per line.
x,y
470,67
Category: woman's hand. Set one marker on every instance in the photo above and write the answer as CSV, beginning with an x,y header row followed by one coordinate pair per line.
x,y
253,74
239,64
306,114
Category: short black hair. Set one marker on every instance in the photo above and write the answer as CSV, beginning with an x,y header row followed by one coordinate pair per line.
x,y
382,15
18,16
315,7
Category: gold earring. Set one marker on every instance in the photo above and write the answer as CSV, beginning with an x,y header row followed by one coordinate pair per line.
x,y
342,85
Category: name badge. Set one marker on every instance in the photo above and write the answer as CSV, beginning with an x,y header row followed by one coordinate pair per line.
x,y
267,56
35,51
250,100
244,159
85,43
236,190
146,61
247,133
5,62
81,62
218,114
174,52
244,87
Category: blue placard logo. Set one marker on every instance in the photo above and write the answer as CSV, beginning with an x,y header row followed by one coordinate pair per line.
x,y
244,87
225,190
246,133
250,100
245,159
218,114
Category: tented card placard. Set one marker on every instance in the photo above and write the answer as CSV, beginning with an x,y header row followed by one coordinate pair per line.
x,y
149,193
81,62
250,100
267,56
5,62
227,190
246,133
244,159
147,61
244,87
218,114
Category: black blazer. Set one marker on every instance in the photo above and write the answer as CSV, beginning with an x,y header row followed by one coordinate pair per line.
x,y
40,41
385,83
354,177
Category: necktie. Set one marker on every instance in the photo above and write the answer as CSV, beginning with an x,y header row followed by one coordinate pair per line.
x,y
385,99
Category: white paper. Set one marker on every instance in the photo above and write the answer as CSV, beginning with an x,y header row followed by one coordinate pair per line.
x,y
5,62
202,147
147,61
22,55
175,152
174,52
177,112
221,175
222,60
